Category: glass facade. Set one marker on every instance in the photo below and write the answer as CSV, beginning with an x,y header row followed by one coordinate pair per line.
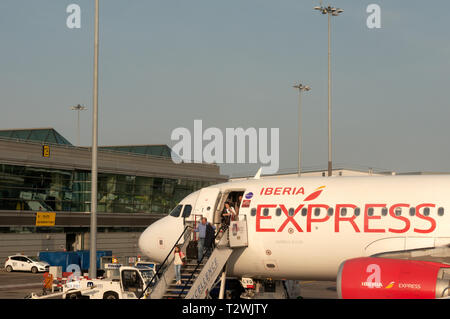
x,y
154,150
41,189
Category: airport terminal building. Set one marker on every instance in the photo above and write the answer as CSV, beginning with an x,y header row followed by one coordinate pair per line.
x,y
42,171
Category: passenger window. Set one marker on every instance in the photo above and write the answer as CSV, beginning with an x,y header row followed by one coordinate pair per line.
x,y
384,211
441,211
317,211
357,211
412,211
266,212
398,211
370,211
343,211
426,211
176,211
187,211
278,211
253,212
330,211
304,211
291,212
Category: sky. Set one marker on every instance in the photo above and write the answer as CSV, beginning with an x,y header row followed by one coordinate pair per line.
x,y
165,63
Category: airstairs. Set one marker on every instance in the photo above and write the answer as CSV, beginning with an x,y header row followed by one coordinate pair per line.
x,y
197,279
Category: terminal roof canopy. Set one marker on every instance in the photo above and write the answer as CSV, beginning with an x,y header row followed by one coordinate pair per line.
x,y
44,135
51,136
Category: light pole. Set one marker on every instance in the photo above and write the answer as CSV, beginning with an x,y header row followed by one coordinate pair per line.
x,y
93,230
78,108
300,88
331,11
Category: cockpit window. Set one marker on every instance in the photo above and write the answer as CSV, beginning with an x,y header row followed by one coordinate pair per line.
x,y
187,211
176,211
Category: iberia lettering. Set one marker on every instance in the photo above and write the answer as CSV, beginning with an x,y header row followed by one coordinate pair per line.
x,y
368,222
282,191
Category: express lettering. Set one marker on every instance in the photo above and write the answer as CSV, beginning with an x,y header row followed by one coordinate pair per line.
x,y
371,223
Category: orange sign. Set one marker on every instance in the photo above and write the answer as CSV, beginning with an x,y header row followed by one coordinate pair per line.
x,y
45,219
45,151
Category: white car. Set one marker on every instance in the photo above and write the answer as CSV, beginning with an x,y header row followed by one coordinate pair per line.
x,y
25,263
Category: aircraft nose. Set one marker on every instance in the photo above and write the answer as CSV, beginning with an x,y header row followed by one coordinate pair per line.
x,y
159,238
145,241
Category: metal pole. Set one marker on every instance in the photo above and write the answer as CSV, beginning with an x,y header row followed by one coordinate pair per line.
x,y
330,165
78,129
93,233
300,88
78,108
331,11
299,132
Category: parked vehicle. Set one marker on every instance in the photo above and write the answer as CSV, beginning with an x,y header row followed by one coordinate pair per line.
x,y
147,264
124,283
26,263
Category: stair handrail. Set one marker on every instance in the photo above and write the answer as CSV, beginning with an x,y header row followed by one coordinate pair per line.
x,y
224,228
163,266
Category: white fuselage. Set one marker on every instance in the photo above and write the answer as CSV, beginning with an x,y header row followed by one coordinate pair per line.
x,y
304,228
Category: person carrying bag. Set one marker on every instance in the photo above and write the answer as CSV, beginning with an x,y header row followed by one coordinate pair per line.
x,y
179,260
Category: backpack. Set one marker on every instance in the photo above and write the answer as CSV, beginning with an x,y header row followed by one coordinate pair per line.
x,y
182,257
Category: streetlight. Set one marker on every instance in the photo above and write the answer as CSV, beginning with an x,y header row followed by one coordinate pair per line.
x,y
331,11
300,88
78,108
93,229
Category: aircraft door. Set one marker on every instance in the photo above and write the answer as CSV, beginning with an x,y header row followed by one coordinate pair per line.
x,y
207,202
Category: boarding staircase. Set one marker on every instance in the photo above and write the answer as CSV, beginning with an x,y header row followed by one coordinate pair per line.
x,y
197,278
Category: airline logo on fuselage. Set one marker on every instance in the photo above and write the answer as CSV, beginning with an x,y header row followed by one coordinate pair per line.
x,y
264,223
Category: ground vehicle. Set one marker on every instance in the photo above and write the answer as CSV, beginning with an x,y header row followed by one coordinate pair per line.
x,y
146,264
25,263
123,282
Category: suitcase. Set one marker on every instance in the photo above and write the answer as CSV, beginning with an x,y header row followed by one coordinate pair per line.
x,y
191,250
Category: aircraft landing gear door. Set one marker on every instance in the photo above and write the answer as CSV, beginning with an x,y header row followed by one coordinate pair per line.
x,y
207,202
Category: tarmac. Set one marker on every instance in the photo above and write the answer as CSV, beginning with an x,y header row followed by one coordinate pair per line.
x,y
17,285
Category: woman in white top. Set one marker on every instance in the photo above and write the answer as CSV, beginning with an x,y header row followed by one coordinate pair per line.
x,y
228,214
178,262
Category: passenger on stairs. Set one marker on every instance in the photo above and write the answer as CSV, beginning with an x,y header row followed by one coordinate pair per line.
x,y
178,262
201,230
228,214
209,239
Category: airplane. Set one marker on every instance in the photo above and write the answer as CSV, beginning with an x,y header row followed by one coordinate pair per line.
x,y
377,236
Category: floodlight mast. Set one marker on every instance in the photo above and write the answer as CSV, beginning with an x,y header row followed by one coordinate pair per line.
x,y
300,88
78,108
330,11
